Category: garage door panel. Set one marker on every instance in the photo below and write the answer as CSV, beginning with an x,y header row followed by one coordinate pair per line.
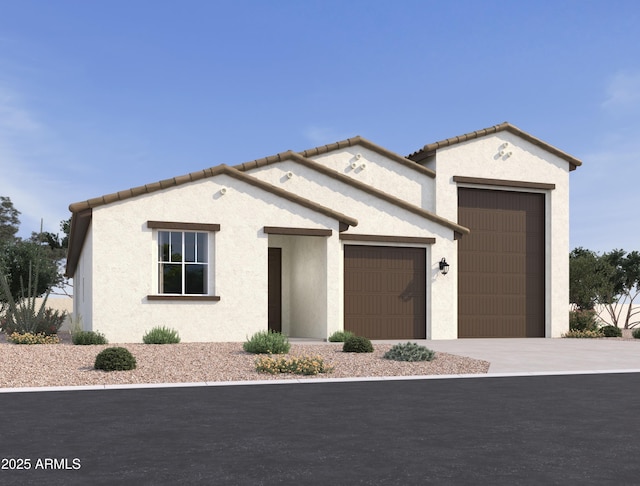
x,y
501,264
384,292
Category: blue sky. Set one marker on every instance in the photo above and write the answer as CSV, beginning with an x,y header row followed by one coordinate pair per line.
x,y
100,96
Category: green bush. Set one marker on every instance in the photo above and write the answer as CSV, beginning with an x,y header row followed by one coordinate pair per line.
x,y
409,352
267,342
115,359
299,365
611,331
583,334
161,335
30,338
636,333
357,344
340,336
583,320
88,337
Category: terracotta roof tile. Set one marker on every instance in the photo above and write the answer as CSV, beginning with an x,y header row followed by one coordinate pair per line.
x,y
430,149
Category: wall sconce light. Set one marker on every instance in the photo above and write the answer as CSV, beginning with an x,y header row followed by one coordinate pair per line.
x,y
223,190
444,266
289,175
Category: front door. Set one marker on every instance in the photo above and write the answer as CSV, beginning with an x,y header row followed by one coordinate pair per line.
x,y
275,289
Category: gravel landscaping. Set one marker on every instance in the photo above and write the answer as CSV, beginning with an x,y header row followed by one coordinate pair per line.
x,y
68,365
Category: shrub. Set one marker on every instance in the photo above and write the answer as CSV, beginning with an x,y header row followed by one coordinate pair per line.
x,y
115,359
30,338
409,352
636,333
299,365
611,331
583,320
88,337
24,315
583,334
357,344
340,336
161,335
267,342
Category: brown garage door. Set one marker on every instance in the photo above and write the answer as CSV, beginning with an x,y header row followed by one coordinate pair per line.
x,y
384,292
501,264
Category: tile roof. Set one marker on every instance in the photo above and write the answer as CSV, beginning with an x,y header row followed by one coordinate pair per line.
x,y
430,149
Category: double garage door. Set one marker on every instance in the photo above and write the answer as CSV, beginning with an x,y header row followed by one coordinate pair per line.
x,y
385,292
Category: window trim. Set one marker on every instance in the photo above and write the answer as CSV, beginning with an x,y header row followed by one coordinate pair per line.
x,y
208,228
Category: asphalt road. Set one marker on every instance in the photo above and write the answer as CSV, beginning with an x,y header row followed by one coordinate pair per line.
x,y
543,430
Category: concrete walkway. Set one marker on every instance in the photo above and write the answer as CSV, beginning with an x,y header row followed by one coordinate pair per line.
x,y
545,355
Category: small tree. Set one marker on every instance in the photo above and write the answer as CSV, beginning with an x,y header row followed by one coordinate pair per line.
x,y
9,221
610,280
625,287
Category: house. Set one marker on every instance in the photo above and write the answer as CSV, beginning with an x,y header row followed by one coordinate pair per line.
x,y
343,236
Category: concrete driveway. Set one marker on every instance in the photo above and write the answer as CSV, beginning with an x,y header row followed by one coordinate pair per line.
x,y
532,355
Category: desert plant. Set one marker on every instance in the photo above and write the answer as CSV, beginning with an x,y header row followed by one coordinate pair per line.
x,y
409,352
340,336
88,337
267,342
299,365
29,338
611,331
21,315
636,333
357,344
583,320
115,359
161,335
583,334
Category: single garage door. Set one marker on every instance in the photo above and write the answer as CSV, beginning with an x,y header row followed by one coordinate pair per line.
x,y
384,292
501,271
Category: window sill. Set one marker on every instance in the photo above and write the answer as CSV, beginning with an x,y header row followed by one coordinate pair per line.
x,y
177,297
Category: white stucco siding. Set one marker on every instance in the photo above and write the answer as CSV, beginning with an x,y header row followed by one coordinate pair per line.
x,y
481,158
378,171
125,260
374,215
377,217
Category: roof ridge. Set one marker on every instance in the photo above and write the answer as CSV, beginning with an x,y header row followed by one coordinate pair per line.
x,y
356,183
430,149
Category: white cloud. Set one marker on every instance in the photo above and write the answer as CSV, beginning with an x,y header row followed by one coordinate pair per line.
x,y
623,92
321,135
25,148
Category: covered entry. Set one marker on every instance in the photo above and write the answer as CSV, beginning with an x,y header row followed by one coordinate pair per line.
x,y
385,292
501,275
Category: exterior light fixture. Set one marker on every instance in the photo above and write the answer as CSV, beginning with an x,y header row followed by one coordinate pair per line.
x,y
444,266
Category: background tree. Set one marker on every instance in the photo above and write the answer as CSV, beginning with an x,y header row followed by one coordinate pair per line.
x,y
590,278
9,221
611,281
625,283
44,252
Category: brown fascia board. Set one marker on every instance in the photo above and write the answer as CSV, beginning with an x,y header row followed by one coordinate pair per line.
x,y
82,211
363,142
296,157
430,149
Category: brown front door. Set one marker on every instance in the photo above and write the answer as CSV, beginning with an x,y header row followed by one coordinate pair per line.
x,y
384,292
501,274
275,289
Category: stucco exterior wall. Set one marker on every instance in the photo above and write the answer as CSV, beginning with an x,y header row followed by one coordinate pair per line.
x,y
376,217
125,260
482,158
384,174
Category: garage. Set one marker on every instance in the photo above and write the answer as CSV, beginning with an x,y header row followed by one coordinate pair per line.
x,y
385,292
501,275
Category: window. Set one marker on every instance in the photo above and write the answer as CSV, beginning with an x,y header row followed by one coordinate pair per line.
x,y
183,262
